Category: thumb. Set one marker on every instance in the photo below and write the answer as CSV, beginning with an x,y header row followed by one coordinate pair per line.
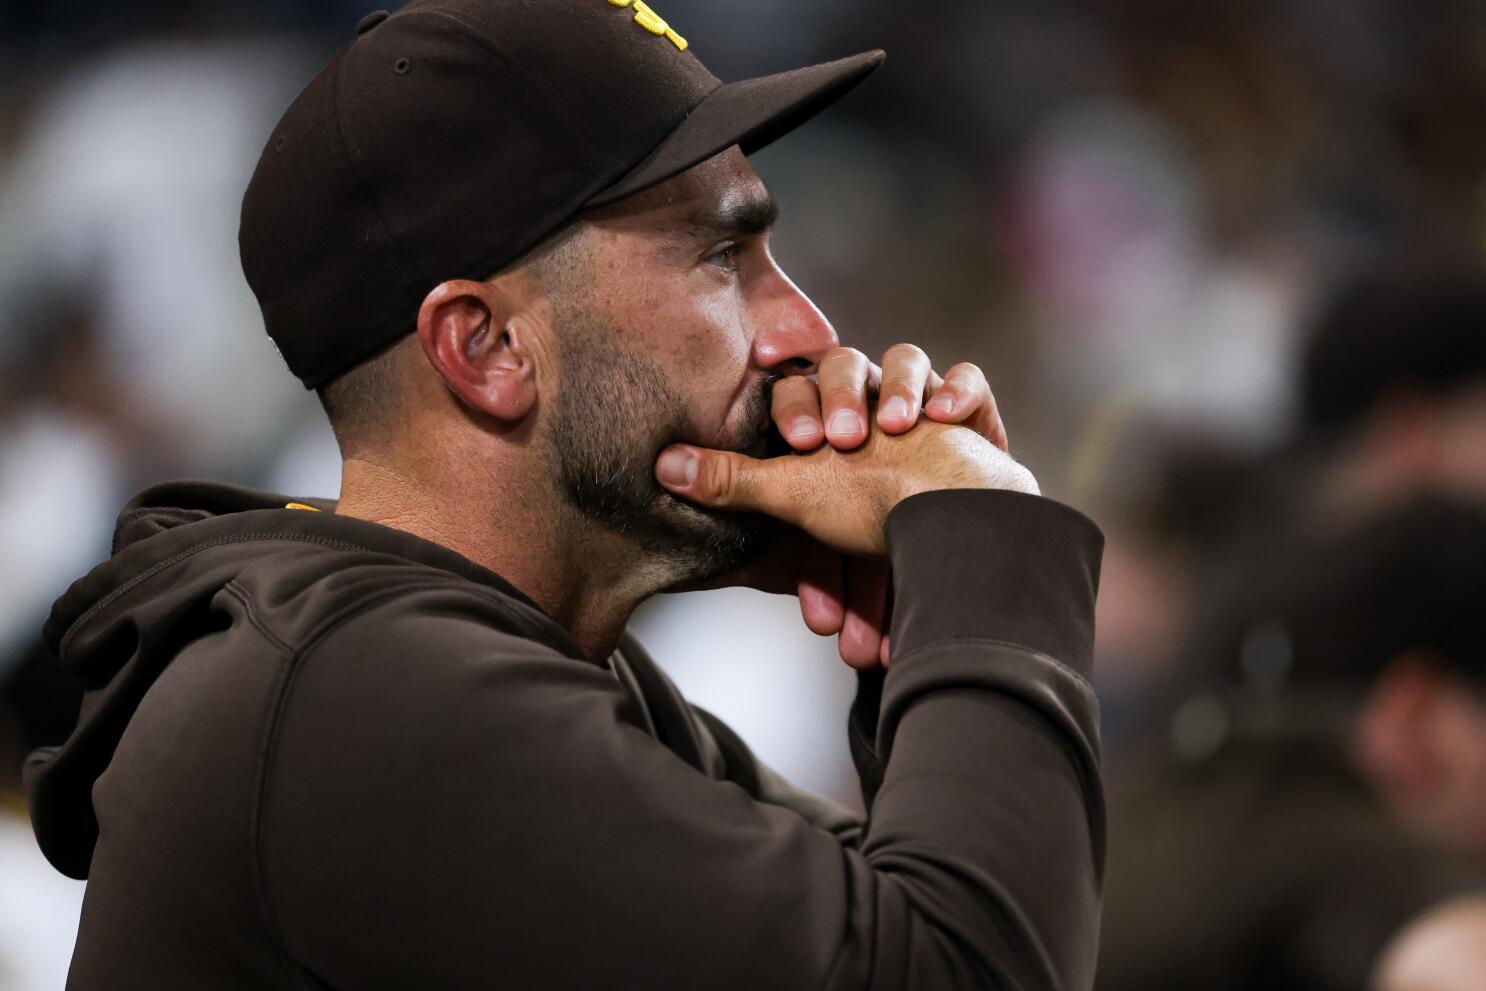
x,y
717,479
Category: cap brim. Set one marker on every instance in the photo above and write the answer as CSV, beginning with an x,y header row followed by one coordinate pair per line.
x,y
750,113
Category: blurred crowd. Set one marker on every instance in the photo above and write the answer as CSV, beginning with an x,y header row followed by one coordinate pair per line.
x,y
1222,263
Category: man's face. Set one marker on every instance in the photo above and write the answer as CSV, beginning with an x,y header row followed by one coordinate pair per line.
x,y
674,329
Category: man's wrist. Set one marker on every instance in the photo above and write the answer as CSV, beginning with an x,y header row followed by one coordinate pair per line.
x,y
1011,476
993,564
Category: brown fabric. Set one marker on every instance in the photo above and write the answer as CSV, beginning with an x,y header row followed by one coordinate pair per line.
x,y
445,141
751,114
317,752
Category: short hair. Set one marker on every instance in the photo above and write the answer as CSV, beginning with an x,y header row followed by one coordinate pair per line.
x,y
365,404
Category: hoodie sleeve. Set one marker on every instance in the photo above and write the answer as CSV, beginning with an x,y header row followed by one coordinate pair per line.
x,y
447,806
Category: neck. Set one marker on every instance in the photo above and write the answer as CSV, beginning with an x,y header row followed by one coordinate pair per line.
x,y
586,577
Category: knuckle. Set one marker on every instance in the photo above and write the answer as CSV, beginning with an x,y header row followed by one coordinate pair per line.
x,y
901,385
797,397
785,400
789,409
905,352
845,359
792,386
965,372
719,478
841,395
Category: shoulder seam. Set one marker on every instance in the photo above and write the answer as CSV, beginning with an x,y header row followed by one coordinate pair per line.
x,y
266,751
269,746
250,610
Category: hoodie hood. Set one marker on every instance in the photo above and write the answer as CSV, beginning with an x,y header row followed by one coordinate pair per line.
x,y
176,547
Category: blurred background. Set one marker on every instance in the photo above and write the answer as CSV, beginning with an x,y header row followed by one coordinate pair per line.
x,y
1221,263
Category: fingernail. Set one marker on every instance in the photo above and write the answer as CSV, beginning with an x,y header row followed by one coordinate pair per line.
x,y
845,422
803,428
677,467
943,403
896,407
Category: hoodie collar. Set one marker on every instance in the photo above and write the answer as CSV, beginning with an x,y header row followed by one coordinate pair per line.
x,y
173,520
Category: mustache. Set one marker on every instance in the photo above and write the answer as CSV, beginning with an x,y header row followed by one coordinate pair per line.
x,y
757,430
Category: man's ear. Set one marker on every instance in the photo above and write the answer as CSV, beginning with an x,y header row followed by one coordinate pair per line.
x,y
474,336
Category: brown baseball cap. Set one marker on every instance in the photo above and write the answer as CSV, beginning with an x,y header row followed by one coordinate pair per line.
x,y
446,140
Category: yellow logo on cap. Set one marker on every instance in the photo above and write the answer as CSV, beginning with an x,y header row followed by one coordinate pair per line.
x,y
652,22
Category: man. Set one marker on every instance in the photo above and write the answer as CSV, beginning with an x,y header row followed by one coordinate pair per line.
x,y
1320,820
403,741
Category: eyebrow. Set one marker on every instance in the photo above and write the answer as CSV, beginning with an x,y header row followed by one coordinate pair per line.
x,y
740,218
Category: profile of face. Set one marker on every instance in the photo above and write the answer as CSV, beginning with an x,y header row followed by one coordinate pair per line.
x,y
615,411
673,328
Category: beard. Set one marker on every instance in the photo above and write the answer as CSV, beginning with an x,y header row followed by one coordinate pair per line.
x,y
613,414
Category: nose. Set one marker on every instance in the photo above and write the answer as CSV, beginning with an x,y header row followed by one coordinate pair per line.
x,y
793,335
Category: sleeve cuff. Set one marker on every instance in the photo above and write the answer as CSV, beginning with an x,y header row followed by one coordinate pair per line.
x,y
997,565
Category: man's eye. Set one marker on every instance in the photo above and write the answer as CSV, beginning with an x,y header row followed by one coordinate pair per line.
x,y
727,257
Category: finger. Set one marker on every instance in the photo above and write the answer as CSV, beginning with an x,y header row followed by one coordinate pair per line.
x,y
905,373
724,480
866,603
822,590
796,412
844,377
963,390
965,397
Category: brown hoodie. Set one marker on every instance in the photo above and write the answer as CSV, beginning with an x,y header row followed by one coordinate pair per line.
x,y
316,752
